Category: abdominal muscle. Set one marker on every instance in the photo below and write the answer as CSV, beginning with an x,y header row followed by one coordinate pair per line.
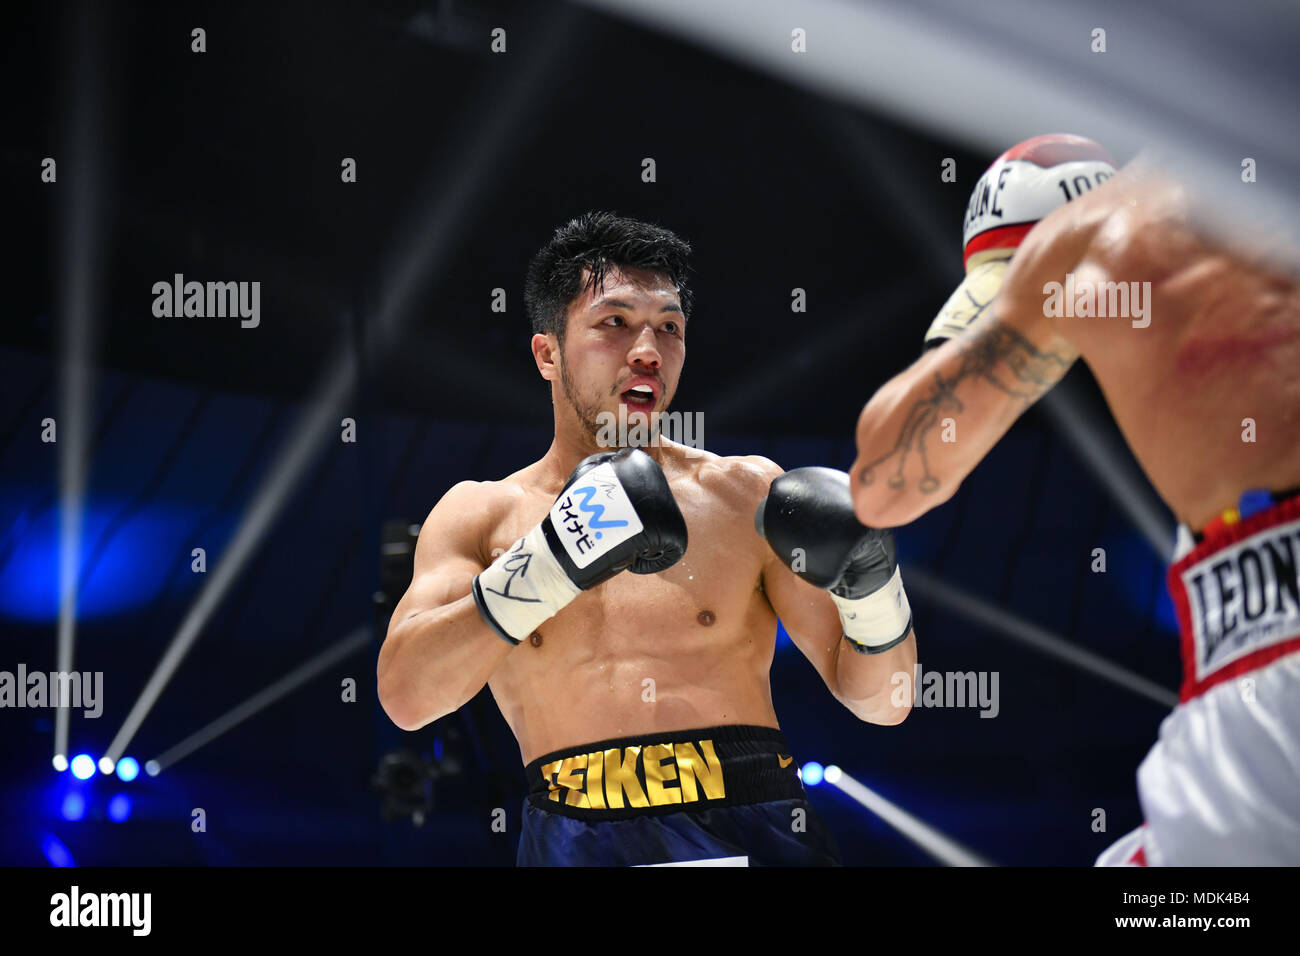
x,y
688,647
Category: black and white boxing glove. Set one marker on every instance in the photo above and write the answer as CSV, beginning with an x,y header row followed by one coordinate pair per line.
x,y
807,518
616,513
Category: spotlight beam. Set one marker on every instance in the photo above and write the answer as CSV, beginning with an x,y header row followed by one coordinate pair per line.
x,y
942,848
81,186
264,698
318,421
438,217
1006,624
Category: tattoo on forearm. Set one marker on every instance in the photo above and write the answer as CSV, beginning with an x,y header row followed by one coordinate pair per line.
x,y
996,355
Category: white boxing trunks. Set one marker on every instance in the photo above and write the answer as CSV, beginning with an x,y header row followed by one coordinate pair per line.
x,y
1221,786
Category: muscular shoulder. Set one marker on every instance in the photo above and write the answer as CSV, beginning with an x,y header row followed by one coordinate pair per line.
x,y
741,479
477,500
460,518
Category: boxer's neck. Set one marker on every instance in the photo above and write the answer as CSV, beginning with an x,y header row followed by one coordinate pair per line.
x,y
572,443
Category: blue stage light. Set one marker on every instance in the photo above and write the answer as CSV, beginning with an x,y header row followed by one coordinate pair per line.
x,y
83,766
127,769
29,580
56,852
812,773
74,807
119,808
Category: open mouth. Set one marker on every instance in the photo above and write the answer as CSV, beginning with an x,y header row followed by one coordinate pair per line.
x,y
640,397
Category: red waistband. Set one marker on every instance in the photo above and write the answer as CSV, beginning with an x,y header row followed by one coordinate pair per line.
x,y
1237,596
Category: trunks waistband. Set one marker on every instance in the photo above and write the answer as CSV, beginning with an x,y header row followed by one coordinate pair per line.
x,y
1251,501
1237,596
665,773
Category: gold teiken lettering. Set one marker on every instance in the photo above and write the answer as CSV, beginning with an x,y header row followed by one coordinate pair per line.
x,y
595,777
706,768
657,775
569,779
622,777
654,775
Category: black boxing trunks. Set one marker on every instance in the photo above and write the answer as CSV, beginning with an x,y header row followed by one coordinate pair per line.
x,y
726,795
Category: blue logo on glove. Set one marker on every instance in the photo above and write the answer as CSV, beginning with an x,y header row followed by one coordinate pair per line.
x,y
596,512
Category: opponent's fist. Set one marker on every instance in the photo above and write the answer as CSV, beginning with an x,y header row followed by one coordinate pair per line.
x,y
615,513
1022,186
807,518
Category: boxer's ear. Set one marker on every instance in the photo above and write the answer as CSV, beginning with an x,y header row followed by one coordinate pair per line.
x,y
546,352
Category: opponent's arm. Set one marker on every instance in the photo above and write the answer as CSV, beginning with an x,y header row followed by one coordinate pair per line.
x,y
836,588
924,431
998,350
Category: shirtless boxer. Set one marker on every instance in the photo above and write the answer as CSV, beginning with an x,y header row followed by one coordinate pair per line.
x,y
641,700
1217,343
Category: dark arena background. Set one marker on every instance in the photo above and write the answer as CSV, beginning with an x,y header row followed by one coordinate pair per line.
x,y
218,515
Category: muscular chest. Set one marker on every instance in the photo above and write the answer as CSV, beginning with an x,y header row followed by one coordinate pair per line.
x,y
714,585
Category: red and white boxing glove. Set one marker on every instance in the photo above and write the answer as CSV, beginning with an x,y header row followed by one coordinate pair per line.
x,y
1023,185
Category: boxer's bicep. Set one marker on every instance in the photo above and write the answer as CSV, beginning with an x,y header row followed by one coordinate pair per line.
x,y
809,616
447,554
450,579
807,613
433,656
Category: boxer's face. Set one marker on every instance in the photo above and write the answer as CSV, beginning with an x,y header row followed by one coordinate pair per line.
x,y
629,333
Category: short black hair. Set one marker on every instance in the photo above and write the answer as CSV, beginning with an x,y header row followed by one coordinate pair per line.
x,y
597,241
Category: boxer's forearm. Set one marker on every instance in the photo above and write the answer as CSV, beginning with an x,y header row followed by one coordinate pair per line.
x,y
927,428
433,662
866,681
